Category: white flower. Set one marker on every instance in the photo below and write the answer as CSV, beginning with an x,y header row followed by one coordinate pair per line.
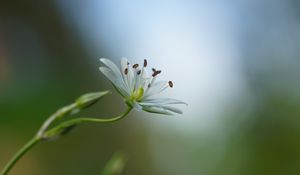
x,y
139,89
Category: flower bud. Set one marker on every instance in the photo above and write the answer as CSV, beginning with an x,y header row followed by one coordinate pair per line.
x,y
89,99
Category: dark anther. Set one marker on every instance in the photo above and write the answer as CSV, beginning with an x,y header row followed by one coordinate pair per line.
x,y
139,72
145,63
153,69
135,66
128,63
156,73
126,71
171,84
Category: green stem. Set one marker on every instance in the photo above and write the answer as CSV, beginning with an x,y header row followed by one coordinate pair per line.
x,y
52,132
100,120
19,154
71,123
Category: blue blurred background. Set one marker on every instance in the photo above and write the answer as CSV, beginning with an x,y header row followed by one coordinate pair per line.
x,y
236,64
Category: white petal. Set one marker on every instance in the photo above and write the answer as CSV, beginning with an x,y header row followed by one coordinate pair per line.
x,y
116,71
134,78
150,82
145,74
142,77
111,65
155,88
124,65
131,78
156,110
110,75
145,79
116,80
161,101
173,109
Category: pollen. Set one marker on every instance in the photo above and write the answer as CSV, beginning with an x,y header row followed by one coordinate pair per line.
x,y
156,73
171,84
126,71
135,66
145,63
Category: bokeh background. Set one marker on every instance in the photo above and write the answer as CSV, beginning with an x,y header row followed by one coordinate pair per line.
x,y
236,63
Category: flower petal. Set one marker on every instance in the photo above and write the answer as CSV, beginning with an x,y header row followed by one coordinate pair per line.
x,y
124,63
116,81
161,101
131,78
111,66
110,75
117,72
173,109
155,88
156,110
124,66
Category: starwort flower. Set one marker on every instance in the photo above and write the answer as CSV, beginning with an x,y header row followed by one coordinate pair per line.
x,y
139,89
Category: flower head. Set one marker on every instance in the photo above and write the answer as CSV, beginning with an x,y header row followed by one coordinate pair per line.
x,y
140,89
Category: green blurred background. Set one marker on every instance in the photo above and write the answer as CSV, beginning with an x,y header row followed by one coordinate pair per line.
x,y
236,64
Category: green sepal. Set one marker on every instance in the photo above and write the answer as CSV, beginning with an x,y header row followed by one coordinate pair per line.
x,y
59,131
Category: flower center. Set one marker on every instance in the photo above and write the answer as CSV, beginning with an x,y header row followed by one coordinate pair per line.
x,y
138,94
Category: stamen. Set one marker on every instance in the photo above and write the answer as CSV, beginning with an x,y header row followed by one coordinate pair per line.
x,y
171,84
139,72
126,71
128,63
156,73
149,86
145,63
153,69
135,66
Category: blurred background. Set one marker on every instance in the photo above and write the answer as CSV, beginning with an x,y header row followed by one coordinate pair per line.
x,y
236,64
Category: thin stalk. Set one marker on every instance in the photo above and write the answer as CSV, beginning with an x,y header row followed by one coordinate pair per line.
x,y
19,154
100,120
71,123
52,132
